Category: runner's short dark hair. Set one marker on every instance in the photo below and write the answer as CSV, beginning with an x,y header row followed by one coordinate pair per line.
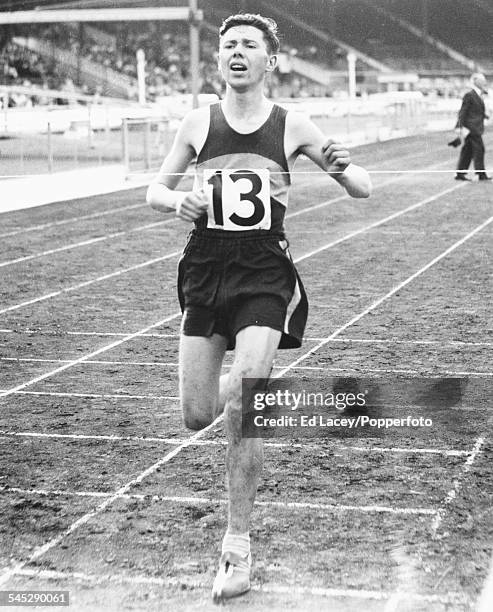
x,y
265,24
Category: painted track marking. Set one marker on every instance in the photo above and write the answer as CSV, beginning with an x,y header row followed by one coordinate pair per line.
x,y
307,339
43,226
176,253
90,282
178,499
452,494
178,441
90,241
389,294
7,573
325,592
66,366
172,364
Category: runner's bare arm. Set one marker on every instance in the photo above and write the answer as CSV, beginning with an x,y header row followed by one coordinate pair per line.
x,y
161,194
305,137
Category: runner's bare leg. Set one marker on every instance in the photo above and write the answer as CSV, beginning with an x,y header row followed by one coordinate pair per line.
x,y
199,371
255,351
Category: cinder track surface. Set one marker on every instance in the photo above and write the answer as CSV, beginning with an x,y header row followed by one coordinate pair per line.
x,y
105,494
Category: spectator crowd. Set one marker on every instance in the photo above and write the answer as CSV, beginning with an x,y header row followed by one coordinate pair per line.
x,y
167,53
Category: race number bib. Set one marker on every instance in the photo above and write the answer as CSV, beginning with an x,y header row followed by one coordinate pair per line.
x,y
238,199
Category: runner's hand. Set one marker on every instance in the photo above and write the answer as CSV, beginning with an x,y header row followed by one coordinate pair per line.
x,y
336,156
192,206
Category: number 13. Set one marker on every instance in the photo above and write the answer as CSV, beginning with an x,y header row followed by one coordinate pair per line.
x,y
229,198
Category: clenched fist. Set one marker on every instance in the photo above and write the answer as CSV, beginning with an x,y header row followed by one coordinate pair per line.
x,y
193,205
336,156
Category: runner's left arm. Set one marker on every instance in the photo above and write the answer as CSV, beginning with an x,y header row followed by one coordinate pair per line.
x,y
329,155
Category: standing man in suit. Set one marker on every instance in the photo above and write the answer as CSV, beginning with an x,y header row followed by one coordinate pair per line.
x,y
470,126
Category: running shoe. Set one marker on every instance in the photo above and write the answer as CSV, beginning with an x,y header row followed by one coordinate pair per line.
x,y
233,577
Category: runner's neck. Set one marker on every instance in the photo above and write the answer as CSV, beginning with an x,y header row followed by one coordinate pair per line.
x,y
247,111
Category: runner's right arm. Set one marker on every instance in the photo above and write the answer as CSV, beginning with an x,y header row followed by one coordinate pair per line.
x,y
161,194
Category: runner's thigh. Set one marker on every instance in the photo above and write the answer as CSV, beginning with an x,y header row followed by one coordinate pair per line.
x,y
199,370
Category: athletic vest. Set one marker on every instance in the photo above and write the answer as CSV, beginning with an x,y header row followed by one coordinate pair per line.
x,y
245,176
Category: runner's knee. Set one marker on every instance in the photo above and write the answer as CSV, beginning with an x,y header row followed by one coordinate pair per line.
x,y
196,416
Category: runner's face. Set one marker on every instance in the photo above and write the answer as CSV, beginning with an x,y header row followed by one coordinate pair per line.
x,y
244,57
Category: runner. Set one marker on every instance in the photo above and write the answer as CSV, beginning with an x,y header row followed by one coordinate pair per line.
x,y
237,285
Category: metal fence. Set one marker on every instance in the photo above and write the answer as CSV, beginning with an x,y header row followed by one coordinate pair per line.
x,y
45,131
91,135
145,143
53,143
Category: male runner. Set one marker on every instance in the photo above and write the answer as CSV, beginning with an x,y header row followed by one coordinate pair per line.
x,y
237,284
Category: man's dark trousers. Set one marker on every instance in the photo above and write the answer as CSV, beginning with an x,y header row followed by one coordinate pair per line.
x,y
472,149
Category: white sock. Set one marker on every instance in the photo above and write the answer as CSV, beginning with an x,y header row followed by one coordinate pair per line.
x,y
238,543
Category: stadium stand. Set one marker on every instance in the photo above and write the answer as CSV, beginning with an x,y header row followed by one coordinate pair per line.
x,y
391,35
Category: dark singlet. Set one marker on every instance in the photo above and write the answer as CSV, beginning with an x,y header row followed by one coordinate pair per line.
x,y
245,176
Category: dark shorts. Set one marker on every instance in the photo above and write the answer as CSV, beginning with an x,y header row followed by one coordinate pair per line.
x,y
228,283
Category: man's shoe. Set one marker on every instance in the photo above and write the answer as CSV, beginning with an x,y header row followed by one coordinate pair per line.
x,y
461,177
485,177
233,577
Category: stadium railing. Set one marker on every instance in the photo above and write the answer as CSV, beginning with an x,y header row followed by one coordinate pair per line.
x,y
51,138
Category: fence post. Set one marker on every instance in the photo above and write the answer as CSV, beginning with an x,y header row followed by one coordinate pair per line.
x,y
125,147
107,123
147,143
89,128
6,110
50,148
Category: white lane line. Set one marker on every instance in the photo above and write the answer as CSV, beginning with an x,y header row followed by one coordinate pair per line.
x,y
7,573
143,205
43,226
167,364
347,197
92,361
340,198
108,438
148,226
77,245
385,297
446,599
267,587
90,282
441,343
5,392
178,441
362,369
172,398
179,499
149,262
66,366
457,484
76,333
383,221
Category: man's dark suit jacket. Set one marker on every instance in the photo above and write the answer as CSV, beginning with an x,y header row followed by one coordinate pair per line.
x,y
472,113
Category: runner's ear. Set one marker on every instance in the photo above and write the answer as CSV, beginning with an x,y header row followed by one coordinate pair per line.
x,y
272,63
